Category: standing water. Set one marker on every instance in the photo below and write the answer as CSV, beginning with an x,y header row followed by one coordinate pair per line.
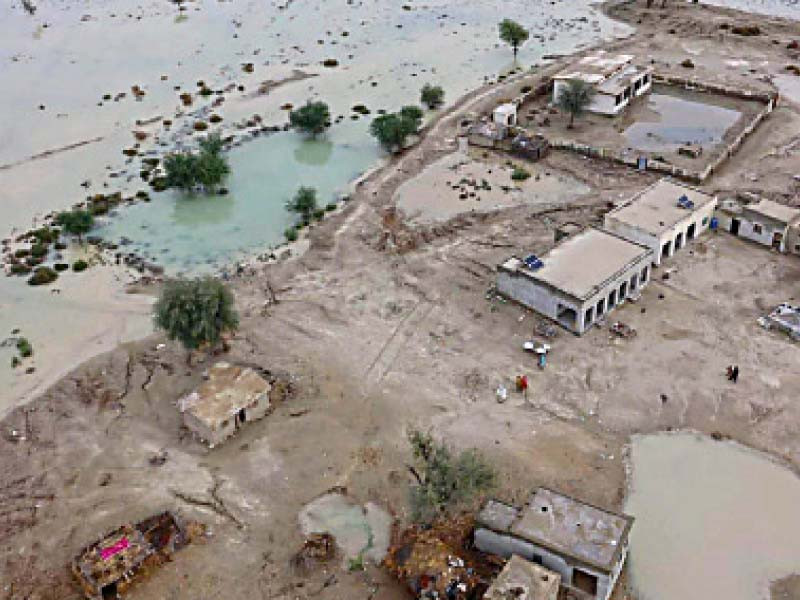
x,y
713,519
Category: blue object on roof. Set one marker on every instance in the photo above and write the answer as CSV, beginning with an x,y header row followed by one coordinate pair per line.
x,y
684,202
533,262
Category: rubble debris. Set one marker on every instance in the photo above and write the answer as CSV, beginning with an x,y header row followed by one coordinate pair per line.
x,y
108,567
523,580
622,330
785,318
317,548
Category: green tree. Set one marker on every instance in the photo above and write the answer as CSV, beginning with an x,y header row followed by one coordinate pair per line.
x,y
206,169
312,119
392,130
432,96
444,480
76,222
574,98
304,202
195,312
513,34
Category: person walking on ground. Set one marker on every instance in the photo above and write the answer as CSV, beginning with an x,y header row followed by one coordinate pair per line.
x,y
735,374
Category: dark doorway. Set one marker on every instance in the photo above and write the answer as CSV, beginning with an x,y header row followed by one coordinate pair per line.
x,y
567,316
634,282
584,581
537,558
690,233
679,242
777,240
735,226
665,249
601,307
110,591
612,299
623,291
587,317
242,416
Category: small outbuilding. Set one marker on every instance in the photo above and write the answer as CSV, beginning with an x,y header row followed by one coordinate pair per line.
x,y
664,217
505,114
531,147
765,222
486,134
230,397
580,280
524,580
585,545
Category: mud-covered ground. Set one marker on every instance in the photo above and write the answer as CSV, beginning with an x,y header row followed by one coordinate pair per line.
x,y
380,325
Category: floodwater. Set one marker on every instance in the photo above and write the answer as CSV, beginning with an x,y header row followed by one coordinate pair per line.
x,y
779,8
713,519
359,531
680,121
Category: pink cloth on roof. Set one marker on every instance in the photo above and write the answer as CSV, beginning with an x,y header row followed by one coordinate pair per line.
x,y
110,551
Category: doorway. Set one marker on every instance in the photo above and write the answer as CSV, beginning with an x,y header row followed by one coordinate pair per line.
x,y
586,582
601,307
678,242
623,291
666,250
735,226
612,299
777,240
690,233
567,316
109,592
241,418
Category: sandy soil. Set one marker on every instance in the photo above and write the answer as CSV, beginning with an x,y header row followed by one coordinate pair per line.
x,y
382,324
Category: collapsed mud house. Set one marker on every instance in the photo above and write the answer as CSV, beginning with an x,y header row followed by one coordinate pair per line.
x,y
664,217
615,79
586,545
580,280
230,397
108,567
524,580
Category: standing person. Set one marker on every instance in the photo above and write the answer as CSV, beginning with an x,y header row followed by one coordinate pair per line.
x,y
735,374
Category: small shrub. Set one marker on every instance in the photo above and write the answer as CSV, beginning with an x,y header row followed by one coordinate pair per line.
x,y
15,362
79,265
22,253
200,125
42,276
60,267
24,347
330,206
290,234
38,250
519,174
746,30
687,63
319,214
330,62
360,109
356,564
205,91
20,269
432,96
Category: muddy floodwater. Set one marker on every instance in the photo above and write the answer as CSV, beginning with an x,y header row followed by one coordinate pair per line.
x,y
680,121
713,519
779,8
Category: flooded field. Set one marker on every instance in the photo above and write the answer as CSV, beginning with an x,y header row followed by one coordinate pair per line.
x,y
713,519
678,121
778,8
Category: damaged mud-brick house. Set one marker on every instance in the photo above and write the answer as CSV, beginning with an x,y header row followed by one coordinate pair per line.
x,y
764,222
616,81
524,580
580,280
108,567
665,217
230,397
585,545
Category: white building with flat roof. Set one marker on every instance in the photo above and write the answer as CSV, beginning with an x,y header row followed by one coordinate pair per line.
x,y
765,222
664,217
586,545
580,280
616,80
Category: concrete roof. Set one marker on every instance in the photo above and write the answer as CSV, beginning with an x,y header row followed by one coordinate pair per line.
x,y
595,68
564,525
106,560
655,209
506,109
581,264
523,580
228,389
774,211
622,80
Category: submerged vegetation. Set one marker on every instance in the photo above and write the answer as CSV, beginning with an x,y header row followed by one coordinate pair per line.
x,y
393,129
513,34
432,96
312,119
76,222
205,169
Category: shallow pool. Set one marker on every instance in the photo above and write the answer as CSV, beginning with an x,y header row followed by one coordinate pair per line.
x,y
678,122
713,519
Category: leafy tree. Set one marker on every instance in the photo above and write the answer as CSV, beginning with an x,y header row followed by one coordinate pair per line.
x,y
207,169
432,96
444,479
304,202
574,98
513,34
393,129
312,119
195,312
76,222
